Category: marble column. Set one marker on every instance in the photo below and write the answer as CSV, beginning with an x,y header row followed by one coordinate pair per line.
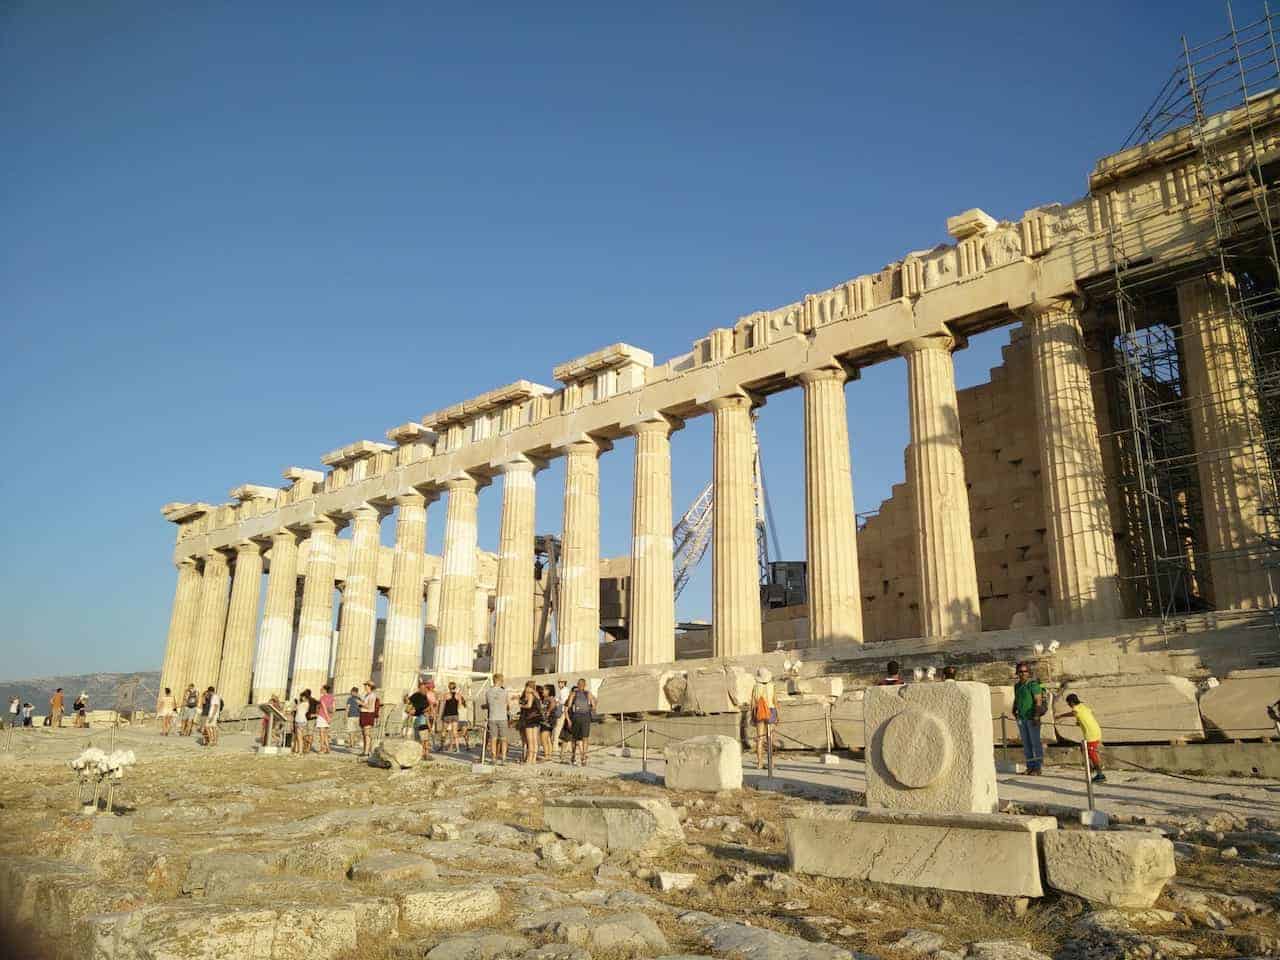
x,y
182,621
455,642
275,635
315,625
1083,578
1227,435
481,612
402,646
831,530
652,627
735,573
211,620
513,608
359,613
578,621
935,474
242,627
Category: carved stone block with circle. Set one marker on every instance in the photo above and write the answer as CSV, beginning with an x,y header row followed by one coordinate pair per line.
x,y
929,748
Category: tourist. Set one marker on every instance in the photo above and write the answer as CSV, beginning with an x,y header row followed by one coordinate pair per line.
x,y
1030,703
450,709
190,708
764,712
497,701
562,699
271,722
892,675
948,673
547,707
418,707
55,708
211,720
353,717
582,704
1090,733
80,707
368,717
529,720
28,710
15,712
324,718
204,709
555,737
406,717
433,708
165,707
301,706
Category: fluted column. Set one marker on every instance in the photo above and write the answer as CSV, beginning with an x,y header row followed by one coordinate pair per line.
x,y
275,636
513,608
359,614
735,575
455,641
402,646
831,531
652,626
182,622
242,627
211,620
1083,578
1227,435
935,474
315,625
578,623
481,612
433,608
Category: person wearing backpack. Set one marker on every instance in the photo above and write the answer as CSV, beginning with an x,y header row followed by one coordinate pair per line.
x,y
1030,703
764,710
581,706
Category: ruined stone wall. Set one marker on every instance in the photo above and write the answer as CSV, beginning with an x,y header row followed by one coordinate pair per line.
x,y
1002,469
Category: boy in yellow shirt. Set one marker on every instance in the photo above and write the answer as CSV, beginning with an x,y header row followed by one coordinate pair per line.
x,y
1090,733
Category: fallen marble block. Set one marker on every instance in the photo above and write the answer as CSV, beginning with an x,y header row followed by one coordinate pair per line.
x,y
615,823
1126,868
1137,708
968,852
704,763
1237,706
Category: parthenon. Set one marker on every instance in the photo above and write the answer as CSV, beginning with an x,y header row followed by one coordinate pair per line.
x,y
1053,273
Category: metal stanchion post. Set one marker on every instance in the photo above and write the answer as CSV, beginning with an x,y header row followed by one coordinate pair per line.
x,y
768,746
644,748
1088,774
1004,739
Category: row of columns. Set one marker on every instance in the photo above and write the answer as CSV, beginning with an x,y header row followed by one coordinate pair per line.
x,y
1081,546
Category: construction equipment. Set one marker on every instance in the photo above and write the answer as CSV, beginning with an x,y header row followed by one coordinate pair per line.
x,y
692,532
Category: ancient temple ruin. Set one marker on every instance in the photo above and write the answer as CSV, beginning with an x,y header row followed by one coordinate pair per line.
x,y
1120,465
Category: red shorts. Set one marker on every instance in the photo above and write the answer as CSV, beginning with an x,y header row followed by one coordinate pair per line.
x,y
367,719
1095,758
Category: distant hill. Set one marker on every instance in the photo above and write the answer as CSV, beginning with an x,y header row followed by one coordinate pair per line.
x,y
101,687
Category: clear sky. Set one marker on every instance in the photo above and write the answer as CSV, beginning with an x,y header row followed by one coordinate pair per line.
x,y
235,236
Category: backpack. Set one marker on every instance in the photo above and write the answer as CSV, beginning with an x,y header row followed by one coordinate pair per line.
x,y
760,708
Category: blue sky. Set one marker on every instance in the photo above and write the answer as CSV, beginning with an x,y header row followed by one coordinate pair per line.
x,y
236,236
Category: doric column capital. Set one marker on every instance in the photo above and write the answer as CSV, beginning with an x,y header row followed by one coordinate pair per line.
x,y
413,498
186,563
322,524
461,481
519,464
836,373
919,344
583,443
1052,309
215,559
731,401
366,511
247,546
655,423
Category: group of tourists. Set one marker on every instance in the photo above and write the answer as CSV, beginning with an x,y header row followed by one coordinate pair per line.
x,y
194,711
432,717
1031,705
547,717
20,713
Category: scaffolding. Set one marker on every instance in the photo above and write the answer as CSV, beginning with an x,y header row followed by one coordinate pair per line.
x,y
1177,437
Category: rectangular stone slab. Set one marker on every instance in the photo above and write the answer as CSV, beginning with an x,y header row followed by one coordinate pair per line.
x,y
968,852
846,721
802,723
1237,706
632,693
1154,708
615,823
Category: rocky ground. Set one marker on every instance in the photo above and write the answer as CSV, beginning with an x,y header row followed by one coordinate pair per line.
x,y
222,854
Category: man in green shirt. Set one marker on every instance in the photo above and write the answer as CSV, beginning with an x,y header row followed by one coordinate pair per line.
x,y
1030,702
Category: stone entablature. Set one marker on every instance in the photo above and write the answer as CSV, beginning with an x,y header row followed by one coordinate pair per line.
x,y
1007,266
